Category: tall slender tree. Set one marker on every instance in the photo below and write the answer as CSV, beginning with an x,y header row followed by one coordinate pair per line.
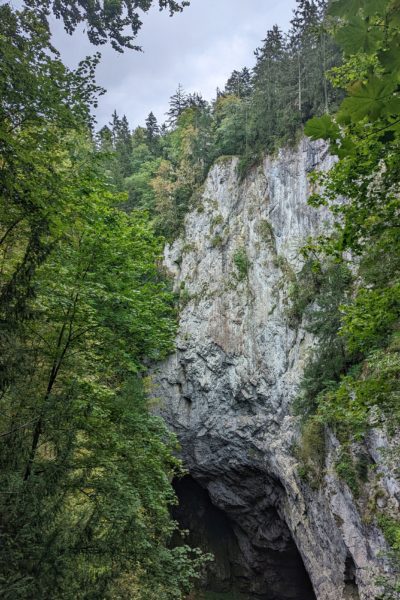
x,y
152,127
122,146
177,104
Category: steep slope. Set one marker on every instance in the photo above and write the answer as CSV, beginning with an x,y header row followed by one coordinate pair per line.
x,y
228,389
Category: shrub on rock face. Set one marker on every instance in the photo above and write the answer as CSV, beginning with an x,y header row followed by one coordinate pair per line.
x,y
241,263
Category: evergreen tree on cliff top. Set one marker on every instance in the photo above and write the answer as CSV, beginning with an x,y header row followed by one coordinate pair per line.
x,y
177,104
239,83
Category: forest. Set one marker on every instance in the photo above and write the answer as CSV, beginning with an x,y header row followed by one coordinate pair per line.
x,y
86,306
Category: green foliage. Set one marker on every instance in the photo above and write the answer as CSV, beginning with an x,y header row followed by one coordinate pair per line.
x,y
184,295
104,21
346,470
361,391
347,8
216,220
141,193
249,159
266,233
390,526
351,407
241,263
239,84
322,128
357,35
391,588
369,320
217,241
317,295
310,452
230,113
304,290
85,468
391,530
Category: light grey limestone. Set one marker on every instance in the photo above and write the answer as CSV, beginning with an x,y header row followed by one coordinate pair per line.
x,y
228,389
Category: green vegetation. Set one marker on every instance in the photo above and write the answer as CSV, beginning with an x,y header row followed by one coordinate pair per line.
x,y
311,452
163,167
241,263
84,305
108,22
85,468
217,241
352,380
391,529
356,321
266,233
215,221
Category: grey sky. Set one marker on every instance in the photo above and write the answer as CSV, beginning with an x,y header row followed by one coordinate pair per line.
x,y
198,48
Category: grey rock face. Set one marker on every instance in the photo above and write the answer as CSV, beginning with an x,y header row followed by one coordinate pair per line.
x,y
228,389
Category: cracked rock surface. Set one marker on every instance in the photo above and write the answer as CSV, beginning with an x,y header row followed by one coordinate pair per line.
x,y
228,389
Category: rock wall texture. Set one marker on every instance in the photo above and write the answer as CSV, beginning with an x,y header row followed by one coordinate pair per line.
x,y
228,389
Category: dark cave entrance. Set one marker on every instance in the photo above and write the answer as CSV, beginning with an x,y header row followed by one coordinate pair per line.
x,y
350,584
241,570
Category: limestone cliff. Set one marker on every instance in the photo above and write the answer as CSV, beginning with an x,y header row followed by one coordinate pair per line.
x,y
227,392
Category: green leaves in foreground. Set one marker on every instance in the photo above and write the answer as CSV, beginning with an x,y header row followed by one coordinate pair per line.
x,y
348,8
358,35
323,128
85,469
351,381
374,99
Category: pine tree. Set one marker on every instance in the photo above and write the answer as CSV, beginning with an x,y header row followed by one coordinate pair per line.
x,y
239,83
114,125
177,104
272,112
105,139
314,53
195,100
152,127
122,145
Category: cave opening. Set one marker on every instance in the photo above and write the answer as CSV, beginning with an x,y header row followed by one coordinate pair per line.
x,y
242,569
350,584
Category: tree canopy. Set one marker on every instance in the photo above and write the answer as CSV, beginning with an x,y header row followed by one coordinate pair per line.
x,y
104,21
86,469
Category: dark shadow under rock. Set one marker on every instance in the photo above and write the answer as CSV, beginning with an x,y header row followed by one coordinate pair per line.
x,y
241,569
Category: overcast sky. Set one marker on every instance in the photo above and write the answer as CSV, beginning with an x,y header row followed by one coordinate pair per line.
x,y
198,48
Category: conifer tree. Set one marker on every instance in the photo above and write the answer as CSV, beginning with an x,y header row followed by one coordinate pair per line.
x,y
177,104
152,127
239,83
315,53
152,132
272,113
195,100
122,145
105,139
